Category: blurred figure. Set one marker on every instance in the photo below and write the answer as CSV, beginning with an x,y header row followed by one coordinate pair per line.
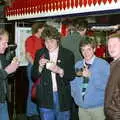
x,y
100,49
88,87
55,65
32,44
5,70
77,31
112,96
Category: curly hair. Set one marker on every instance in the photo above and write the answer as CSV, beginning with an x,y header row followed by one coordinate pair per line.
x,y
50,32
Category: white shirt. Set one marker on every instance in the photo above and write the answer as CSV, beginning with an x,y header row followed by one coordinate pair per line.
x,y
53,58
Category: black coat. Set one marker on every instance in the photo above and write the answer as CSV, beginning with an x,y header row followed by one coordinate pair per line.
x,y
3,80
44,90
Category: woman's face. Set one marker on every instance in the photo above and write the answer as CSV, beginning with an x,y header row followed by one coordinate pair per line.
x,y
51,44
114,47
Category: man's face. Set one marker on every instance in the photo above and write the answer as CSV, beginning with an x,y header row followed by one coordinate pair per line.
x,y
114,47
87,52
51,45
3,43
82,31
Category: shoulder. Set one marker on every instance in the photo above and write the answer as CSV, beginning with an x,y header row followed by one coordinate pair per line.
x,y
30,38
41,51
101,61
3,60
66,51
115,63
79,63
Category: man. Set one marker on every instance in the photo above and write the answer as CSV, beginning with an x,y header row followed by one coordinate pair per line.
x,y
112,96
77,31
89,85
32,44
5,69
55,65
75,35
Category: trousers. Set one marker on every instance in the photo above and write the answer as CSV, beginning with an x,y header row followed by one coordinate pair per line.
x,y
31,106
4,111
55,113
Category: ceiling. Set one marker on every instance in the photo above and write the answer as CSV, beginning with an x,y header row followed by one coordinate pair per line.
x,y
103,18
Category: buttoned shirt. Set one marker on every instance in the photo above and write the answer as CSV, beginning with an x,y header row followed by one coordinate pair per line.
x,y
53,58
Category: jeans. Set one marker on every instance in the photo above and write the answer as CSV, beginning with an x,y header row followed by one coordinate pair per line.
x,y
4,111
31,106
54,114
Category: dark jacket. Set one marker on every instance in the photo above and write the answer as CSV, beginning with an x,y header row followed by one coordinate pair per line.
x,y
44,90
3,79
112,96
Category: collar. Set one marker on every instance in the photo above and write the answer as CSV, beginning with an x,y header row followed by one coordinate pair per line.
x,y
90,61
55,51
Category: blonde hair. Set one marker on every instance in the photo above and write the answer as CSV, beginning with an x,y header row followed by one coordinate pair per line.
x,y
3,32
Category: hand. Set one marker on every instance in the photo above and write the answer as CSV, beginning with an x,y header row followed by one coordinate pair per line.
x,y
79,73
86,72
43,61
12,66
56,69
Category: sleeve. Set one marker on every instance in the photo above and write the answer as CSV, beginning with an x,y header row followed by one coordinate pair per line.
x,y
101,75
69,70
35,68
112,99
3,74
29,44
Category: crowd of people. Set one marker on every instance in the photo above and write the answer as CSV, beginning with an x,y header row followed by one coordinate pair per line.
x,y
74,83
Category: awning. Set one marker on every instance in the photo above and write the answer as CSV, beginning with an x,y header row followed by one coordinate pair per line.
x,y
25,9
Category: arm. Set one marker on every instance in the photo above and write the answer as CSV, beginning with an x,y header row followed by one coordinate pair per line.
x,y
112,96
35,69
3,74
68,67
10,68
100,75
29,58
29,46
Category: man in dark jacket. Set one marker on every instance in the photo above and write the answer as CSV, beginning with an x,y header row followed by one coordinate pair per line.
x,y
4,71
55,65
112,96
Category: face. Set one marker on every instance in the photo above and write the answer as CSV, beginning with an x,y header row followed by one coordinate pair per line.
x,y
3,43
40,30
114,47
82,32
87,52
51,45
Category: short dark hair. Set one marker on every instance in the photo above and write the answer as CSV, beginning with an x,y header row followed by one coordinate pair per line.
x,y
87,40
80,24
37,26
50,32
